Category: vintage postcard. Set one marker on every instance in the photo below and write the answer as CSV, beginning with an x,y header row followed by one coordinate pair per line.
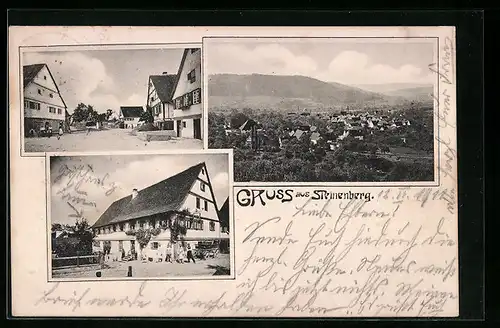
x,y
324,184
81,98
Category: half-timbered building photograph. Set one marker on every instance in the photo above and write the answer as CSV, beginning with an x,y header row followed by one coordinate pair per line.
x,y
156,216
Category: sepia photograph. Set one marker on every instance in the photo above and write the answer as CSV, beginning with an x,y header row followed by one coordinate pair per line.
x,y
140,216
323,109
106,98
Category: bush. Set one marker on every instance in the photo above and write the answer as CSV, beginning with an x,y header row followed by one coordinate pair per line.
x,y
147,127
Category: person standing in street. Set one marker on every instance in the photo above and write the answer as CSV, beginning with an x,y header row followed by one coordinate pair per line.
x,y
190,254
60,132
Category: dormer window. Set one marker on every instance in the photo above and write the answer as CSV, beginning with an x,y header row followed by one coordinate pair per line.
x,y
45,77
202,186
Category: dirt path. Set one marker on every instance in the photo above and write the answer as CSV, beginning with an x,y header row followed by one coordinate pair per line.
x,y
105,140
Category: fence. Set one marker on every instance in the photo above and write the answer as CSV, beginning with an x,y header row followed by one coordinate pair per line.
x,y
74,261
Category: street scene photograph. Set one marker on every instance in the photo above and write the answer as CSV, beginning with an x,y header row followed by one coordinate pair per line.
x,y
323,110
162,216
103,98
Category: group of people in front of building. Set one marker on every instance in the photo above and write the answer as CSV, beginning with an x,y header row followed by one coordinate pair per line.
x,y
45,130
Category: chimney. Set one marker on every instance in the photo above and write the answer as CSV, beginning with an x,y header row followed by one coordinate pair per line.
x,y
164,73
134,193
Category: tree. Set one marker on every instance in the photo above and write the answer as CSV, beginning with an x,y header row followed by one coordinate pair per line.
x,y
178,229
237,119
80,113
102,117
56,227
143,236
147,116
84,112
84,234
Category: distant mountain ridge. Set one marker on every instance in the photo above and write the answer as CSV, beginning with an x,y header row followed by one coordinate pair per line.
x,y
286,92
387,88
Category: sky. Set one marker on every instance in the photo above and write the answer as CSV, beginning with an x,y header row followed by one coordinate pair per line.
x,y
343,61
106,78
127,172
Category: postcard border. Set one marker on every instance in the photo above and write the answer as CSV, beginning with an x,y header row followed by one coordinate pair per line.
x,y
436,127
129,46
232,244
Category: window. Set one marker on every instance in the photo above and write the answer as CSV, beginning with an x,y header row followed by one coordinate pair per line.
x,y
132,226
120,245
198,201
203,170
187,100
154,245
52,109
178,103
39,91
31,105
51,95
59,111
206,206
202,186
183,124
141,224
121,226
195,224
196,96
212,226
192,76
45,77
114,228
152,98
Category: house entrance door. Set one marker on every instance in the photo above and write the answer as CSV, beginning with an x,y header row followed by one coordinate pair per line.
x,y
179,128
197,128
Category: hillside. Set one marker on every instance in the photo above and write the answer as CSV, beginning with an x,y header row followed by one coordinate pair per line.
x,y
387,88
417,94
258,91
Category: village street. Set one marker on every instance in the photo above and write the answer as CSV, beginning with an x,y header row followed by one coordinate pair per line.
x,y
140,269
105,140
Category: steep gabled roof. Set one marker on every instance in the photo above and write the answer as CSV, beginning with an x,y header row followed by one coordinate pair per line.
x,y
298,134
164,86
165,196
179,71
315,136
31,71
248,125
132,111
224,214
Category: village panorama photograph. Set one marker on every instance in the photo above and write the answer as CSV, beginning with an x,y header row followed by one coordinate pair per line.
x,y
103,99
323,110
140,216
